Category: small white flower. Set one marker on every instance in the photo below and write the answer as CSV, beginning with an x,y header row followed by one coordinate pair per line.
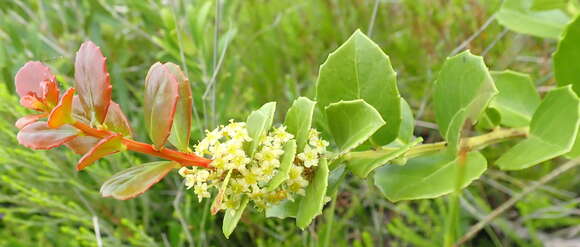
x,y
201,191
309,156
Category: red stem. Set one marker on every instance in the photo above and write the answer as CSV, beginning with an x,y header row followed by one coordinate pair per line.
x,y
185,159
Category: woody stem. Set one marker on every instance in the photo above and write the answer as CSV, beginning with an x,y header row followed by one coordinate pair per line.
x,y
185,159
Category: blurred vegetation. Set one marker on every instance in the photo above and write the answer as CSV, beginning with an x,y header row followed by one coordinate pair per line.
x,y
239,55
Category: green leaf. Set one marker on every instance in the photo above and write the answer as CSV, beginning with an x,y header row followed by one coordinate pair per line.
x,y
259,122
521,16
517,99
285,164
363,162
219,198
552,132
134,181
548,4
161,94
427,176
567,57
575,151
299,119
407,123
232,217
352,122
359,69
463,89
490,119
181,129
312,203
284,209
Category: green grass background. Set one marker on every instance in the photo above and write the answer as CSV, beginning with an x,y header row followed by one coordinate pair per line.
x,y
238,56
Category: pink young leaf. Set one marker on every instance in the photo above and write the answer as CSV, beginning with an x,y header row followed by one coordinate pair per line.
x,y
50,92
82,144
134,181
39,135
62,113
92,81
106,146
32,102
116,120
26,120
181,129
161,94
29,78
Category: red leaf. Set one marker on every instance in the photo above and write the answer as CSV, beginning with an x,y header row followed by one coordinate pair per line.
x,y
161,94
62,113
39,135
116,120
92,81
82,144
106,146
134,181
50,92
26,120
32,102
181,129
29,78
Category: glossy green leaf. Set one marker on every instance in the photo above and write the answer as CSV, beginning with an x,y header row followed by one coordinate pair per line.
x,y
352,122
92,81
312,203
285,164
427,176
552,132
181,129
232,217
407,123
567,57
521,17
548,4
359,69
517,99
299,119
161,95
134,181
363,162
258,124
490,119
284,209
463,89
575,151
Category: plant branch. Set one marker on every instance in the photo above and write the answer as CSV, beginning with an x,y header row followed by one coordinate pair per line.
x,y
185,159
470,143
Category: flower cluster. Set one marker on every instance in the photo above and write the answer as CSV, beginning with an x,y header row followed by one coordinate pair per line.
x,y
238,174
